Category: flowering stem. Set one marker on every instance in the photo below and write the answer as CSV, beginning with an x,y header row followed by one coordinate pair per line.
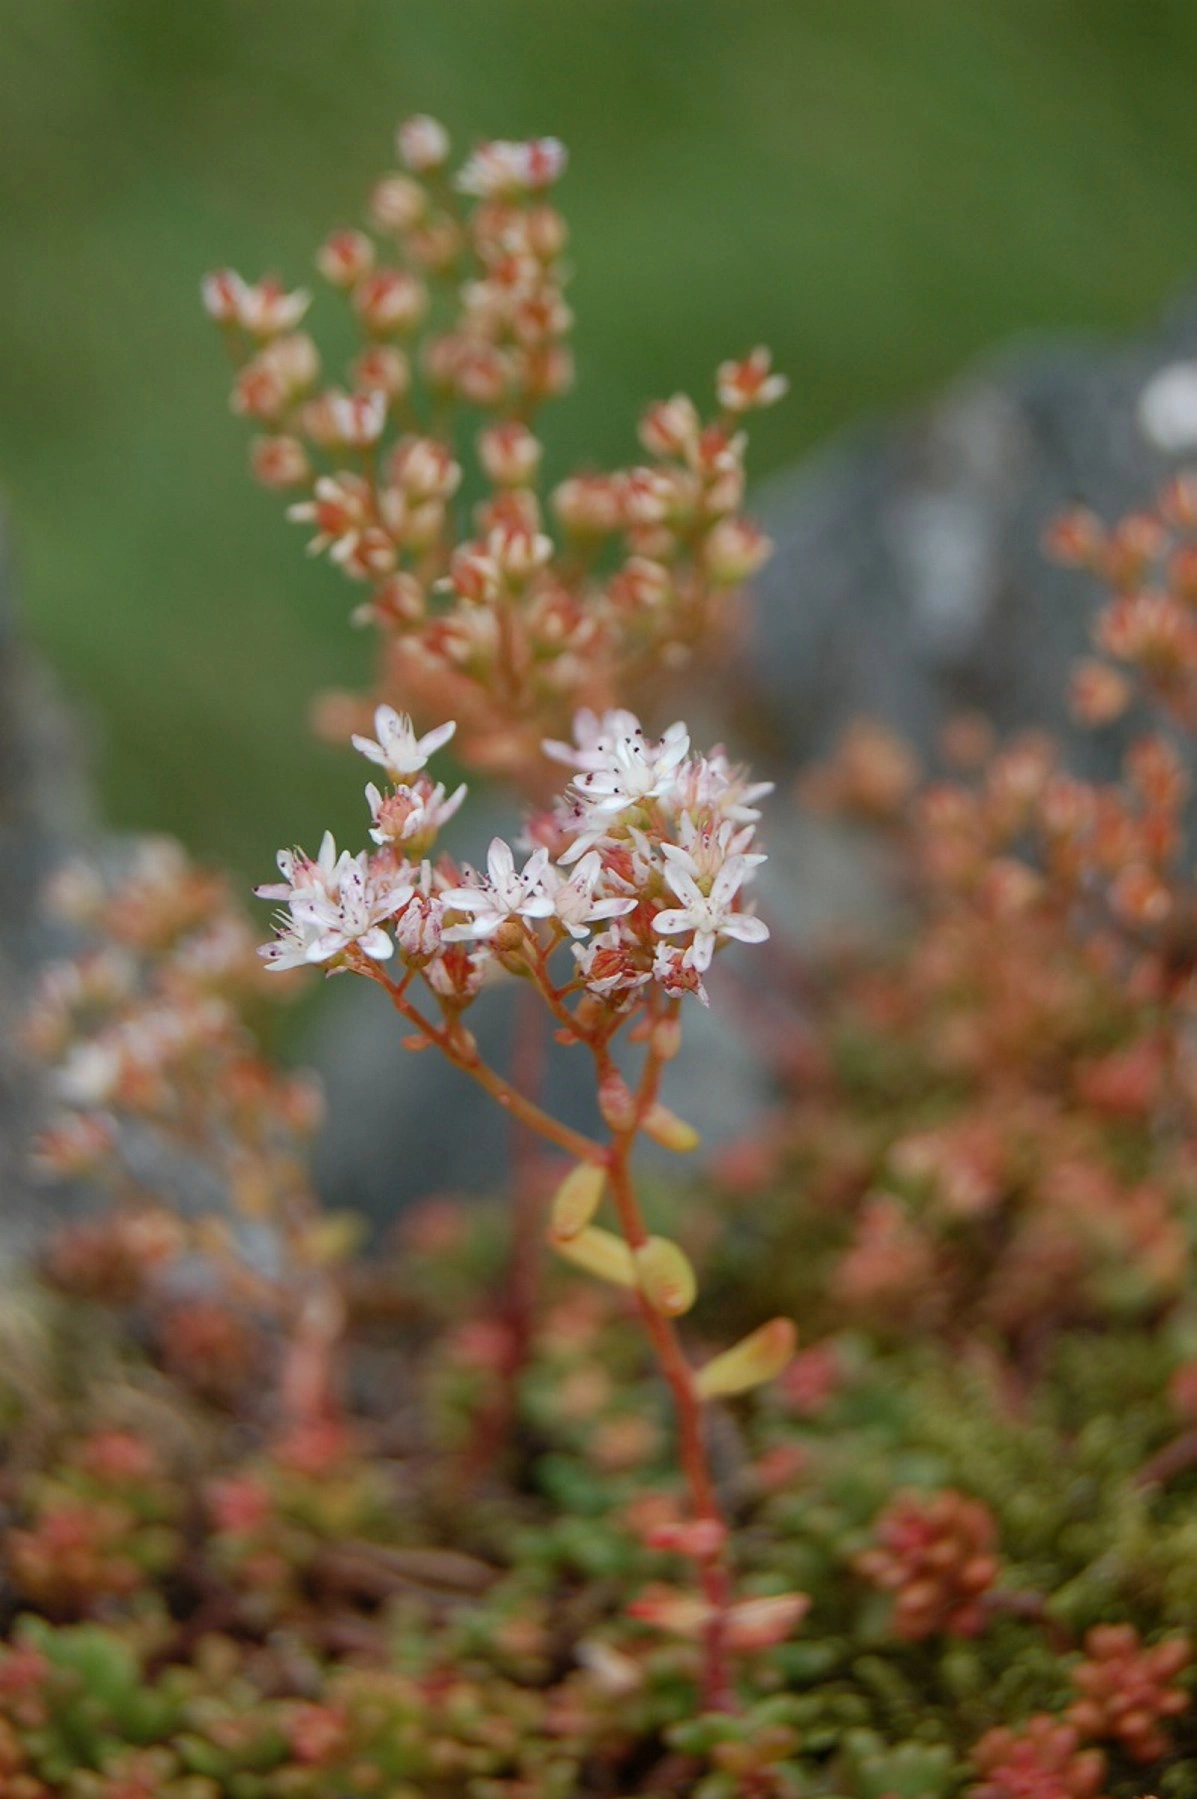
x,y
717,1691
462,1052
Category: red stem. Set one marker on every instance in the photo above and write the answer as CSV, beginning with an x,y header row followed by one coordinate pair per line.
x,y
717,1690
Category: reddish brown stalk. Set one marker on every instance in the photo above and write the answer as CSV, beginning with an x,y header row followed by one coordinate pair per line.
x,y
716,1586
717,1690
462,1052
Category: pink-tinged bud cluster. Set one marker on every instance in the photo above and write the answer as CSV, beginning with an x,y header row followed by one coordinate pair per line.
x,y
150,1060
1041,1759
640,870
1147,630
936,1554
1128,1693
537,605
1048,985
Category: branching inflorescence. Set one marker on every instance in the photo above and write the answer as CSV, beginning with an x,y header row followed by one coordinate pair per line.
x,y
490,620
636,875
636,879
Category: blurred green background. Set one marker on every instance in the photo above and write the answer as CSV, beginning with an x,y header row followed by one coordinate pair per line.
x,y
878,188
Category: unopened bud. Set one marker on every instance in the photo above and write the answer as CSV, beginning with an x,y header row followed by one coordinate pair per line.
x,y
382,369
391,300
222,292
665,1277
577,1200
1099,694
616,1103
422,143
751,1362
671,427
600,1253
345,257
545,231
667,1129
509,454
735,550
279,462
397,203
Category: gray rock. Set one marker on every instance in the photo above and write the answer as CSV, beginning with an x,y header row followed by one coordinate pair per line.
x,y
45,811
909,579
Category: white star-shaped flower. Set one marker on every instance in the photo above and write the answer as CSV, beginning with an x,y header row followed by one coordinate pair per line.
x,y
503,893
302,875
626,769
364,898
574,900
397,748
416,811
709,915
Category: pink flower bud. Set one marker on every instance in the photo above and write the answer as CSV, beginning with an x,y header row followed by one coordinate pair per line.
x,y
517,551
744,385
357,419
293,360
397,203
258,393
398,602
422,143
474,576
641,585
222,293
545,233
509,454
424,468
671,427
383,369
734,550
279,462
345,258
588,505
481,375
616,1103
390,300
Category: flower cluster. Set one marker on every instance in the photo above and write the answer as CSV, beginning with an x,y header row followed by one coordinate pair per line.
x,y
1128,1692
935,1554
144,1028
1040,1760
995,1117
161,1094
1146,633
494,618
640,869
